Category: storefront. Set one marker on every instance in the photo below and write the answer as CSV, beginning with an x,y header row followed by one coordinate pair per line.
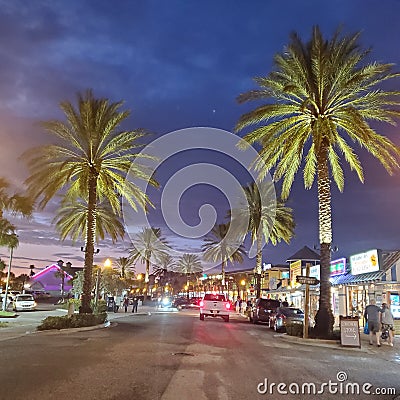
x,y
372,275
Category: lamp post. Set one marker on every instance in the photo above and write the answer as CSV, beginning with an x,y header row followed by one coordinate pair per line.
x,y
12,242
8,280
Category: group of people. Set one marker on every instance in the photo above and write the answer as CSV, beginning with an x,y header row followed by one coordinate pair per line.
x,y
135,302
379,319
241,305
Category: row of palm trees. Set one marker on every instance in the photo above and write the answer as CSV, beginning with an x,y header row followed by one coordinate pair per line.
x,y
320,97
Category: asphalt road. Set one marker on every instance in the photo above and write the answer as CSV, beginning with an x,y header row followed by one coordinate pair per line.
x,y
175,356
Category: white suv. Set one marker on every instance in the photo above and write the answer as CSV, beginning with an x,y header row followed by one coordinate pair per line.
x,y
215,305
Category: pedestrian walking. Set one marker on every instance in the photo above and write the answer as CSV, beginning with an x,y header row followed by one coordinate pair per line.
x,y
237,304
126,303
387,323
135,304
244,307
372,315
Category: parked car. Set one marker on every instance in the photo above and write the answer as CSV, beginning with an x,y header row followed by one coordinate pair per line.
x,y
24,302
262,309
285,315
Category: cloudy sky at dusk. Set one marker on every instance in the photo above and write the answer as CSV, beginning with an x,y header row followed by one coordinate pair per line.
x,y
179,64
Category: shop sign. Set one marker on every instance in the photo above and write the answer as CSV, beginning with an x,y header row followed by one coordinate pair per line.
x,y
349,332
338,267
295,270
307,280
315,271
364,262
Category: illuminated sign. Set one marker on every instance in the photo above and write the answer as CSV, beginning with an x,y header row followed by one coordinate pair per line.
x,y
338,267
364,262
285,274
315,271
295,270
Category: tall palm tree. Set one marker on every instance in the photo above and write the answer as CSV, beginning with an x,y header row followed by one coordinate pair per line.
x,y
90,161
269,220
148,246
188,264
125,266
162,271
321,94
219,246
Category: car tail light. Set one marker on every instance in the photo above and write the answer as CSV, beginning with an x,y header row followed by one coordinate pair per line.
x,y
201,303
283,316
228,306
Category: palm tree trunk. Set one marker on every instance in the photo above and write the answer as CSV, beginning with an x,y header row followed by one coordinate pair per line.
x,y
324,318
146,277
89,249
223,274
258,262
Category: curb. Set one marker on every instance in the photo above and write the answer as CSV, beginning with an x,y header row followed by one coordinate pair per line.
x,y
331,344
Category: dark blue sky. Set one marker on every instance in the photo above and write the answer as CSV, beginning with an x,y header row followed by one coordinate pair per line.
x,y
179,64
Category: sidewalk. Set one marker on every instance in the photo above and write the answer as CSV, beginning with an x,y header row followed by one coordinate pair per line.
x,y
364,341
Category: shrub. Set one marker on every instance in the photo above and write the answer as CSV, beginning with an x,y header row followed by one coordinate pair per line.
x,y
294,329
73,321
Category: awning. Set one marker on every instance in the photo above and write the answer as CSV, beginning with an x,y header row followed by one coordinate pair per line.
x,y
349,279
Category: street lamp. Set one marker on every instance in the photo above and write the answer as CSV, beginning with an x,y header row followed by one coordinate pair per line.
x,y
12,242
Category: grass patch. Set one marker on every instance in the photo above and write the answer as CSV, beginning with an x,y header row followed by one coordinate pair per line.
x,y
7,314
3,324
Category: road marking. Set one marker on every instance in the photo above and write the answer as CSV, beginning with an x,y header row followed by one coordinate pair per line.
x,y
184,382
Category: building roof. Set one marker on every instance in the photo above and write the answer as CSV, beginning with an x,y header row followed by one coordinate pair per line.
x,y
304,254
348,278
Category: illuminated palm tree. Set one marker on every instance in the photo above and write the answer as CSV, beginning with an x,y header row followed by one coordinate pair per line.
x,y
219,246
149,247
126,266
90,161
72,217
188,264
268,219
320,95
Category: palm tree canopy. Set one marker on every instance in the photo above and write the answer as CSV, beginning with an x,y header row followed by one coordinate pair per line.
x,y
165,262
71,221
188,264
16,204
90,142
222,245
148,245
265,214
321,94
125,265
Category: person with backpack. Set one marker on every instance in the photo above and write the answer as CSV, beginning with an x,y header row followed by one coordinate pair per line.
x,y
372,315
387,323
